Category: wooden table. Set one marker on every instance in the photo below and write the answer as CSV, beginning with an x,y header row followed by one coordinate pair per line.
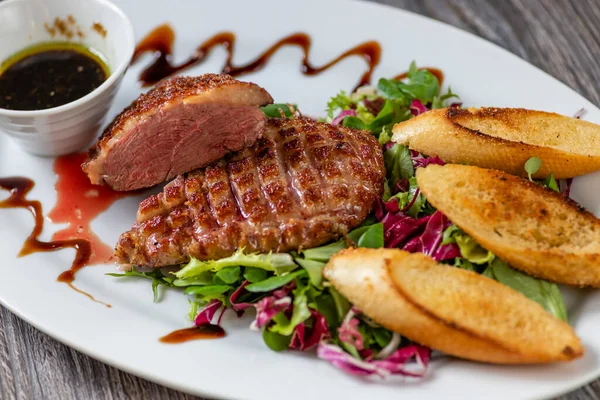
x,y
561,37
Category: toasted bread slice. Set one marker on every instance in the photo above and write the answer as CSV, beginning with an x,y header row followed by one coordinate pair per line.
x,y
504,139
450,309
534,229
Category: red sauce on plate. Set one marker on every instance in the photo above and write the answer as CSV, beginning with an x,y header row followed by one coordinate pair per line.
x,y
193,333
160,41
78,203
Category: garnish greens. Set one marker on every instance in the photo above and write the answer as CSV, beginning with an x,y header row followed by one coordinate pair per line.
x,y
295,307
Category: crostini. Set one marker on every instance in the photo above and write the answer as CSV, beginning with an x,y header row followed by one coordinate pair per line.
x,y
504,139
534,229
449,309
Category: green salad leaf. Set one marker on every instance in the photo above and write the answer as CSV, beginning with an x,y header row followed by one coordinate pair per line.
x,y
550,183
313,268
532,166
276,341
420,84
279,263
373,237
341,101
398,164
156,276
274,282
252,274
543,292
300,313
441,101
275,110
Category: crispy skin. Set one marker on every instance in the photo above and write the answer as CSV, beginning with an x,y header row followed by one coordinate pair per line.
x,y
458,312
504,139
302,184
208,89
534,229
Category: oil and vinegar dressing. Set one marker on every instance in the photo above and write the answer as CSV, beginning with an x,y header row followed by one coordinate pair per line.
x,y
79,201
49,75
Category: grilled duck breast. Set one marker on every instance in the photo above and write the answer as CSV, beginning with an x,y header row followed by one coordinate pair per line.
x,y
301,185
182,124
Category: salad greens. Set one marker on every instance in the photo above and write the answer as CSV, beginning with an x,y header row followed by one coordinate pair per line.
x,y
295,308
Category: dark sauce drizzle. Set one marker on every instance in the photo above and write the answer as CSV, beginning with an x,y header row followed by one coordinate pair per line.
x,y
160,41
19,187
193,333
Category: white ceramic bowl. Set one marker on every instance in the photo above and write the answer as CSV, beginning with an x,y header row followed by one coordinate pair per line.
x,y
73,126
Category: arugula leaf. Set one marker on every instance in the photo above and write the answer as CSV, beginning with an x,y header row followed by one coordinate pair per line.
x,y
274,282
275,341
229,275
274,110
398,164
373,237
277,262
390,89
324,253
440,101
300,313
384,117
252,274
354,122
550,183
355,235
532,166
213,290
205,278
543,292
326,306
314,270
342,306
465,264
155,275
420,84
340,101
381,336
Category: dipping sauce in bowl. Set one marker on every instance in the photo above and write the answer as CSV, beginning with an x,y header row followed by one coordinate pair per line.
x,y
49,75
61,65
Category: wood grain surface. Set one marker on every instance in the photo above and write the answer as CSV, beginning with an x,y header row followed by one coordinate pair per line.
x,y
561,37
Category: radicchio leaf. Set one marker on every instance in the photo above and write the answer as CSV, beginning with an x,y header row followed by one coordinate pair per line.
x,y
345,113
348,331
395,364
417,107
207,314
305,338
430,242
267,308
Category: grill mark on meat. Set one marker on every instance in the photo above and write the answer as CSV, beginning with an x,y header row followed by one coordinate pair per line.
x,y
301,185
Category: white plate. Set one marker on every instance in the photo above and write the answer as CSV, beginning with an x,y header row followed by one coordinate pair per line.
x,y
240,366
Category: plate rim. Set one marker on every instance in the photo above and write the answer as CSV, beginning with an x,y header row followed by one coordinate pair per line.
x,y
195,390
